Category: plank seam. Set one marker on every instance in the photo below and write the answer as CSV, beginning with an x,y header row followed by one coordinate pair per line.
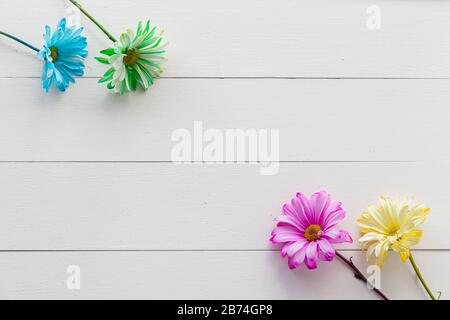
x,y
260,78
204,162
181,250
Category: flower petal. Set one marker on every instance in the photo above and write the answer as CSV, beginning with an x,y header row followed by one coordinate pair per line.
x,y
337,236
303,207
319,202
298,258
326,249
333,218
403,244
381,252
291,248
371,236
285,234
417,215
290,210
312,255
125,41
289,220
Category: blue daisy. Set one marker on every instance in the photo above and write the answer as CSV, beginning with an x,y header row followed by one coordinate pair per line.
x,y
63,53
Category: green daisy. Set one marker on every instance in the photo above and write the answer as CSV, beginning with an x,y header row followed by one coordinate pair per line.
x,y
135,59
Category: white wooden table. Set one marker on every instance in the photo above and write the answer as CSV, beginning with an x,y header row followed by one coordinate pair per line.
x,y
87,178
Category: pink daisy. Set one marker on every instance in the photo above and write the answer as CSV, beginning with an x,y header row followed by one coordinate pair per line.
x,y
308,229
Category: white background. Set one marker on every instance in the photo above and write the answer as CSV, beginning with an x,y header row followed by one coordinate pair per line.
x,y
86,177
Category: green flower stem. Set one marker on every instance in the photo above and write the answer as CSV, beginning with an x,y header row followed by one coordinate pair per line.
x,y
109,35
416,269
19,40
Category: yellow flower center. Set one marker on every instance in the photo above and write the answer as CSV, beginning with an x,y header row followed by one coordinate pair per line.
x,y
311,233
131,57
393,230
392,233
54,53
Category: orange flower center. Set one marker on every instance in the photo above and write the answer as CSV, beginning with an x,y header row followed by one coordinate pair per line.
x,y
311,233
131,57
54,53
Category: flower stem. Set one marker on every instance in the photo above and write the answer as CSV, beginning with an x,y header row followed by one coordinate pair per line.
x,y
358,274
416,269
19,40
109,35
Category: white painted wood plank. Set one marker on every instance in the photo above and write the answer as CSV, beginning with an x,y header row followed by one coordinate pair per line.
x,y
166,207
386,120
207,275
285,38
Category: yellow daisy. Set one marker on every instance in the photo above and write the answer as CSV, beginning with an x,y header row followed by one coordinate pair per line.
x,y
393,225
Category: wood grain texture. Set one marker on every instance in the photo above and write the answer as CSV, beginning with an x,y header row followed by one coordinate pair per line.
x,y
88,170
319,120
207,275
256,38
167,207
